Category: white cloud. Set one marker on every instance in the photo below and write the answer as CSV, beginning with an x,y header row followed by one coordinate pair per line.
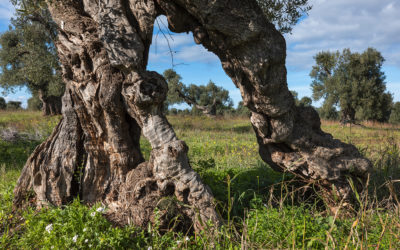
x,y
196,53
6,10
356,24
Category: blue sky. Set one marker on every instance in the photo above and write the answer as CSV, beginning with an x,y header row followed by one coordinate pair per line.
x,y
330,25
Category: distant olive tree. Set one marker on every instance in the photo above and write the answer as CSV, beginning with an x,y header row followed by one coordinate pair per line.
x,y
3,104
28,56
354,82
34,103
208,99
395,114
305,101
14,105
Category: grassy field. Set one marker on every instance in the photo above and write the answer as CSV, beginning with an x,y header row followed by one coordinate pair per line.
x,y
258,204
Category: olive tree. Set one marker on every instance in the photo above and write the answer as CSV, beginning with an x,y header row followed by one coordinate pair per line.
x,y
111,99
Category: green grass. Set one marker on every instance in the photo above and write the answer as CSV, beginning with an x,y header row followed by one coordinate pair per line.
x,y
258,204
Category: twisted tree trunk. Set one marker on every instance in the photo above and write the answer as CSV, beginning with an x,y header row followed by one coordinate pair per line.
x,y
252,53
110,98
210,110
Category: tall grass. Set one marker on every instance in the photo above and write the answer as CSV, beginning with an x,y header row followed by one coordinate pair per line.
x,y
263,209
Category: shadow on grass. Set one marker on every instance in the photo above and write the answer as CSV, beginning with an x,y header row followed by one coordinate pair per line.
x,y
246,184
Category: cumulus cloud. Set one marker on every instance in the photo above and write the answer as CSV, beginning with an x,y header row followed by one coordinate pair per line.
x,y
6,10
335,25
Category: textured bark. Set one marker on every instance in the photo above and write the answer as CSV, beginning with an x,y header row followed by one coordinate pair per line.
x,y
111,98
253,54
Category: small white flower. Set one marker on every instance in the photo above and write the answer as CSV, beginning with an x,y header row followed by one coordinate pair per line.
x,y
178,242
100,209
85,229
93,214
187,238
150,248
75,238
49,228
86,241
52,247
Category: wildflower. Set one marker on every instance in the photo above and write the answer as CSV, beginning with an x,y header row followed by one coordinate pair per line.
x,y
75,238
49,228
100,209
150,248
178,242
86,241
93,214
85,229
187,238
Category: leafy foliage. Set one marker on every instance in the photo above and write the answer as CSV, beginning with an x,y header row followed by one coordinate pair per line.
x,y
242,110
284,13
13,105
197,96
305,101
3,103
395,114
34,103
354,82
28,56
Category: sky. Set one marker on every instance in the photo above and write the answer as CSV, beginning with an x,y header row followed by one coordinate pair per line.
x,y
329,26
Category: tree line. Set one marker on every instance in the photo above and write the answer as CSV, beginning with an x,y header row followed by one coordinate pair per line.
x,y
351,85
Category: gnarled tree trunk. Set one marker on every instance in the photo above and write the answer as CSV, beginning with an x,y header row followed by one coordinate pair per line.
x,y
110,98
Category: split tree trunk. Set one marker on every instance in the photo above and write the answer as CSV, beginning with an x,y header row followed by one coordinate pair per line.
x,y
110,98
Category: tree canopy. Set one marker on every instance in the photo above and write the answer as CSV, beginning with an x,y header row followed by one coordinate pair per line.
x,y
28,56
209,99
305,101
3,103
395,114
284,14
354,82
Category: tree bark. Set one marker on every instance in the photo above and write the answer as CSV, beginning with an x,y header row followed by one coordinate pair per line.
x,y
252,53
110,98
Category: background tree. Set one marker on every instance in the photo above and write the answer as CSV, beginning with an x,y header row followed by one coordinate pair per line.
x,y
354,82
208,99
328,112
284,14
3,103
395,114
242,110
34,103
305,101
28,58
14,105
